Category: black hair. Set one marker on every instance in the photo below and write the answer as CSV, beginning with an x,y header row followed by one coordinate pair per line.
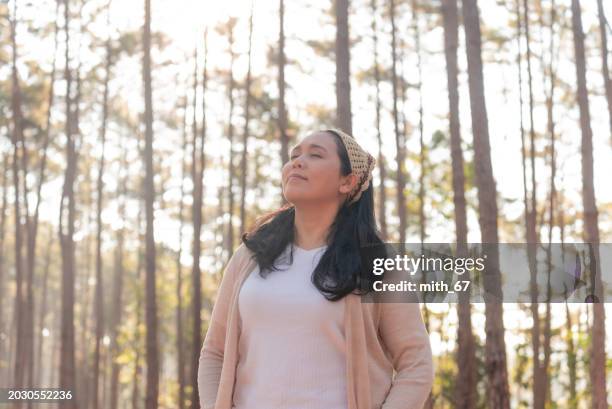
x,y
339,271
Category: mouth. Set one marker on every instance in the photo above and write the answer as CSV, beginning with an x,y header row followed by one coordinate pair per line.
x,y
298,177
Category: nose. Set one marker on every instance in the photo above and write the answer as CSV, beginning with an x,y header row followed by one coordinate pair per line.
x,y
290,165
297,162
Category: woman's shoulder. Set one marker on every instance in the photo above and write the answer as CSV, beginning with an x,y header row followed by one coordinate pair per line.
x,y
242,252
239,259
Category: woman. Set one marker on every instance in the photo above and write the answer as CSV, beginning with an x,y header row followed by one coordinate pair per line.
x,y
288,329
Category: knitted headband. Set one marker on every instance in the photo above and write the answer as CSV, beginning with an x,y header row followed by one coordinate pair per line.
x,y
362,163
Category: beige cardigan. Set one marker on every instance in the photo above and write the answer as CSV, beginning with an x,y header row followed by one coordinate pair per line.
x,y
381,337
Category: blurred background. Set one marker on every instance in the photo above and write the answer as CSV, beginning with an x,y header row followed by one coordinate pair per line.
x,y
139,139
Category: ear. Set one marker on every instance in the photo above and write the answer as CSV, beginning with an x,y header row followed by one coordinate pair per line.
x,y
347,183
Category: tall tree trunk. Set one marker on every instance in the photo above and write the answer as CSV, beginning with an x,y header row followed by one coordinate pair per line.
x,y
67,214
220,212
465,389
3,216
105,383
571,352
180,343
552,203
197,284
258,176
83,372
118,283
99,303
21,358
197,174
55,349
230,134
41,179
382,198
571,359
245,135
598,348
83,275
38,380
417,44
495,348
399,138
30,265
83,368
343,72
149,194
604,60
422,165
538,394
282,110
137,335
28,305
403,91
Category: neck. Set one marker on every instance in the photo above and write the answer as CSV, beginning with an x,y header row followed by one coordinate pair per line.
x,y
312,224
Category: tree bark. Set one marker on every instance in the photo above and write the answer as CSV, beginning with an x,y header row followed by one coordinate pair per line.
x,y
180,343
83,372
552,204
41,180
67,211
83,276
136,374
118,283
571,359
465,393
3,216
83,355
21,355
282,110
230,134
41,317
399,138
429,403
495,348
591,233
197,175
529,203
605,69
382,171
245,135
220,212
152,353
100,192
343,72
422,166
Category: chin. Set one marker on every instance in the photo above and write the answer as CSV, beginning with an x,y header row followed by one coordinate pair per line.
x,y
292,194
304,200
296,197
293,199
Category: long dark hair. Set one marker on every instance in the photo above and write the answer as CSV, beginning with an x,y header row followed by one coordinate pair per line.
x,y
339,270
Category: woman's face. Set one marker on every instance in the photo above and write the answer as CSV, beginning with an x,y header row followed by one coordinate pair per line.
x,y
313,171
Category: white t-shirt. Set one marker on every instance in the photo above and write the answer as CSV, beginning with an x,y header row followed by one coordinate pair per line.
x,y
292,352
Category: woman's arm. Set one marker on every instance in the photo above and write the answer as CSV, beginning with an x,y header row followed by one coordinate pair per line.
x,y
211,355
407,341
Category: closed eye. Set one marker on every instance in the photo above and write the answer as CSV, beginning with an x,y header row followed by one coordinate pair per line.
x,y
316,155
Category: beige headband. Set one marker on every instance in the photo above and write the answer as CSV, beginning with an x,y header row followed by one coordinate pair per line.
x,y
362,163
